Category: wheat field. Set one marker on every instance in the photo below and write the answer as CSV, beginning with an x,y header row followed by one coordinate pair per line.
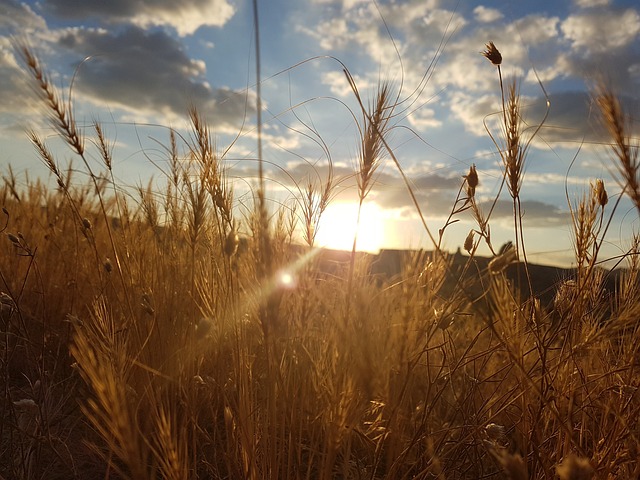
x,y
153,335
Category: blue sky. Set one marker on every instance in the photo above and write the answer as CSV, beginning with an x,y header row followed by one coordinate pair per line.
x,y
148,61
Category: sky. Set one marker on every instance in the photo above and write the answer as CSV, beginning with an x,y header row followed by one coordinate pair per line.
x,y
137,66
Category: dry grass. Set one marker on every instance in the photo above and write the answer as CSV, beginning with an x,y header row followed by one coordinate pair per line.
x,y
144,339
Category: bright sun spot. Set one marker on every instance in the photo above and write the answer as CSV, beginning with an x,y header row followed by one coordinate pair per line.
x,y
286,280
338,227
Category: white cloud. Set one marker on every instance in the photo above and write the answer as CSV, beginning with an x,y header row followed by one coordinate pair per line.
x,y
487,15
603,30
535,29
561,68
423,119
472,110
185,16
333,34
339,86
19,18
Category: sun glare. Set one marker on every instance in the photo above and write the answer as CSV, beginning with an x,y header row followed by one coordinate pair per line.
x,y
338,227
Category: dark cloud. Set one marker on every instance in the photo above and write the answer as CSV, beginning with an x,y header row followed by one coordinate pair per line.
x,y
383,180
435,193
436,182
433,203
574,117
90,8
186,16
535,213
149,72
14,94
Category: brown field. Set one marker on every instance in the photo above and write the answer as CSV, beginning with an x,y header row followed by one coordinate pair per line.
x,y
155,336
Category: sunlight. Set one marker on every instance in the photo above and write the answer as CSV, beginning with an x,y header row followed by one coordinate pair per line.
x,y
338,227
285,279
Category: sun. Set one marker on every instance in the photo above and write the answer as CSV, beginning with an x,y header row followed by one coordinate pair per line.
x,y
337,227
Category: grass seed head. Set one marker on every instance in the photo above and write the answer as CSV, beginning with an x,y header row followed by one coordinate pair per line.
x,y
496,433
26,405
600,193
6,299
472,181
13,239
468,242
492,54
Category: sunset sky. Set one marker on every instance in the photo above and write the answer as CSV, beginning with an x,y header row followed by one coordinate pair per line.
x,y
139,64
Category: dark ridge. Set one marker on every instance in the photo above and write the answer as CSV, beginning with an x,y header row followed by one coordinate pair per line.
x,y
387,264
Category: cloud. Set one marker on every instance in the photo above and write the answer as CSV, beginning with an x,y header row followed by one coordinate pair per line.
x,y
535,30
149,73
19,18
535,213
592,3
591,43
436,182
573,117
424,118
487,15
472,110
14,94
603,30
186,16
436,194
433,191
339,86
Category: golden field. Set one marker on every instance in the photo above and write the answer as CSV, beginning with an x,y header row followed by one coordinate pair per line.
x,y
175,334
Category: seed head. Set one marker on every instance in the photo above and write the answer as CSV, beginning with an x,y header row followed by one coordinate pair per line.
x,y
73,320
468,242
86,223
108,266
472,181
6,299
496,434
492,54
600,193
472,177
13,239
26,405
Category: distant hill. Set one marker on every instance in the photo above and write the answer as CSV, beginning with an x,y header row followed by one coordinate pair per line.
x,y
388,263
